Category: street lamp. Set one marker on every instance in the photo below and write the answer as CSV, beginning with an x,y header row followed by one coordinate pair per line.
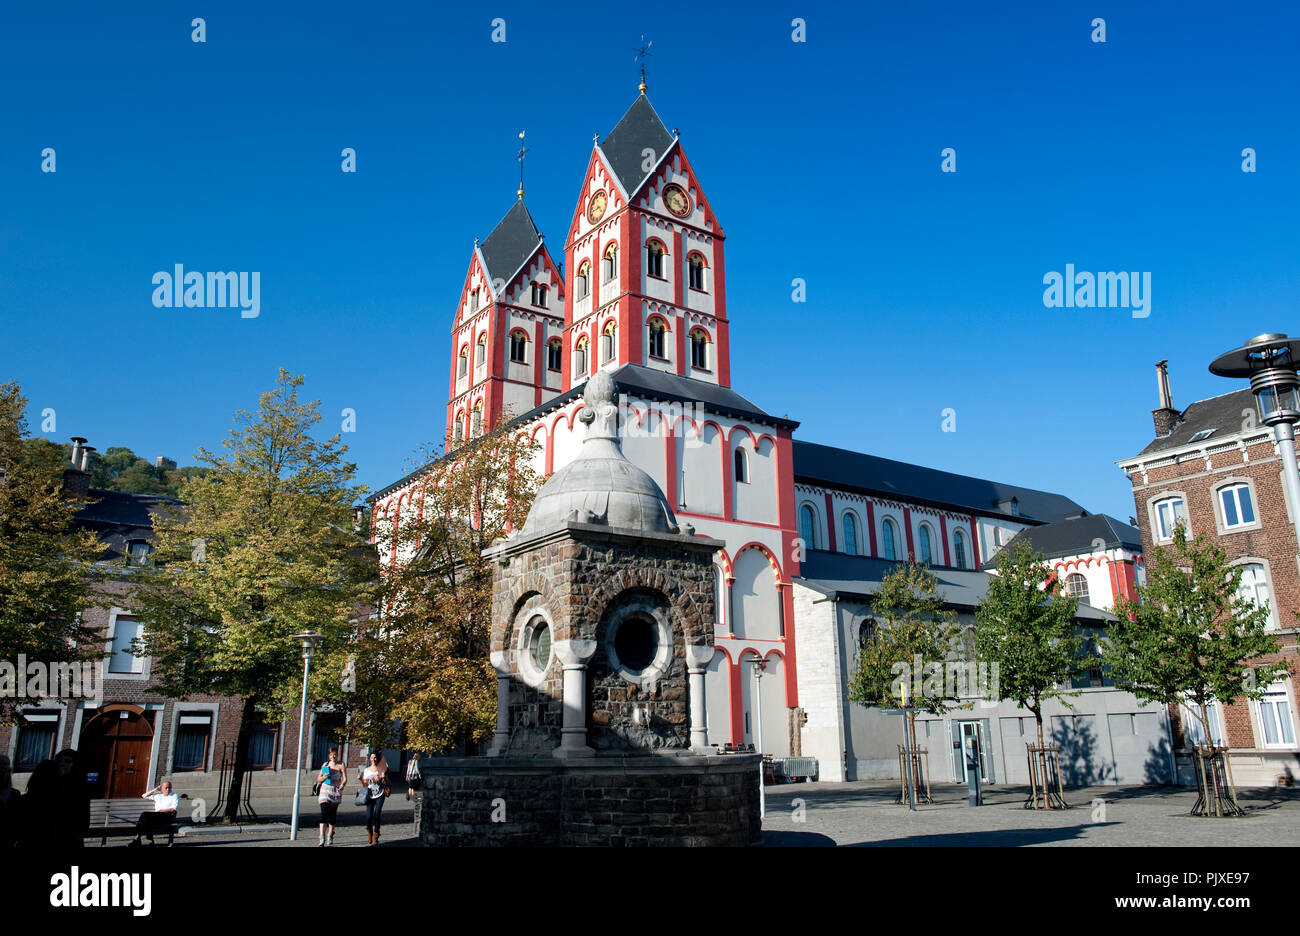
x,y
308,646
1270,361
760,667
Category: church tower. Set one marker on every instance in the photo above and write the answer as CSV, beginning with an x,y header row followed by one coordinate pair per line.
x,y
644,260
507,340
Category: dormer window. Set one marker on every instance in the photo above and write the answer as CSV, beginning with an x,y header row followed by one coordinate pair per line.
x,y
138,552
539,296
654,259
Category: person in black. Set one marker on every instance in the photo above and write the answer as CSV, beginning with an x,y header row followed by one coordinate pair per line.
x,y
10,805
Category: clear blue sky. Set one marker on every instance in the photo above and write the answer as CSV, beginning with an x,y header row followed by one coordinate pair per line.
x,y
821,159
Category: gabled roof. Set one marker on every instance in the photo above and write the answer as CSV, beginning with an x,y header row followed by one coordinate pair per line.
x,y
511,242
1077,536
119,518
1223,414
842,576
624,148
839,467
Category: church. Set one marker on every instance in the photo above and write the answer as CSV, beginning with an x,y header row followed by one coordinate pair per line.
x,y
808,530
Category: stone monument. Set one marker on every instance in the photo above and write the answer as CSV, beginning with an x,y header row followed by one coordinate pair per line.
x,y
603,617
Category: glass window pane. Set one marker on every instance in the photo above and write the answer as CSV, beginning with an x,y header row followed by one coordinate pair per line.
x,y
1247,509
1229,498
1267,723
1284,720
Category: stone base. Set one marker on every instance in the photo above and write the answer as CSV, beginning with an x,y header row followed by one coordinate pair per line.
x,y
620,800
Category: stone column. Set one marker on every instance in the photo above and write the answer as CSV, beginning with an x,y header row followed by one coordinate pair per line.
x,y
698,657
573,655
501,740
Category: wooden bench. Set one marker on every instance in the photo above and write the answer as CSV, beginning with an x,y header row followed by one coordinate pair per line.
x,y
117,818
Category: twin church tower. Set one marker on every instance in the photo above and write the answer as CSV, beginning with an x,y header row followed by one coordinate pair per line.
x,y
642,283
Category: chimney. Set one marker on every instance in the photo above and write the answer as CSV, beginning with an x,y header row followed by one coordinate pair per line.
x,y
85,457
358,515
76,479
1166,417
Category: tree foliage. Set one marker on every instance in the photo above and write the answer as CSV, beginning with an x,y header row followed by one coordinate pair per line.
x,y
117,468
425,660
1191,634
46,563
262,548
1025,625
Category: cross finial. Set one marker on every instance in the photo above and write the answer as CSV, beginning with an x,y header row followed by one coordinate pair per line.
x,y
641,55
522,152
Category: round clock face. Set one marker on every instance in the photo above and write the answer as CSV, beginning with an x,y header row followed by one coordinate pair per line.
x,y
678,202
596,207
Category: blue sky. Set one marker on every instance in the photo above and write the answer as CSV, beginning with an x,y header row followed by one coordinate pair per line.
x,y
822,160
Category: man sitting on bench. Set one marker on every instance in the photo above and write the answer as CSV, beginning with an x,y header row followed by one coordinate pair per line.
x,y
165,804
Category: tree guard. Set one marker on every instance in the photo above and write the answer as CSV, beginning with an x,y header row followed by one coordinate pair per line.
x,y
1044,778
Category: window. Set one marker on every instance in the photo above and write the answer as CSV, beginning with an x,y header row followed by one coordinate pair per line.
x,y
518,347
656,342
459,432
695,266
138,551
888,545
1253,587
959,548
582,282
261,746
741,460
463,367
192,742
539,295
850,534
476,421
1194,730
808,526
607,344
635,643
1274,712
36,738
1238,509
866,632
580,358
539,647
535,650
473,300
654,259
1076,586
609,265
121,659
1169,513
927,554
481,354
554,354
699,348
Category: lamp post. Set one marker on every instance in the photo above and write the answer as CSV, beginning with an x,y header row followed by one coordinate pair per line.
x,y
308,646
760,666
1271,361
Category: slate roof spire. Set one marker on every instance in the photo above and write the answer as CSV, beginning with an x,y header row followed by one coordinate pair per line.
x,y
625,148
511,243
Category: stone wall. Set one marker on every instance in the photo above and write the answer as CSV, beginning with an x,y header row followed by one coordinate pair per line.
x,y
605,801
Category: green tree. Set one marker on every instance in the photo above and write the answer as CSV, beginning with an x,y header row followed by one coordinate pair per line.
x,y
1191,634
1025,626
262,548
46,563
425,660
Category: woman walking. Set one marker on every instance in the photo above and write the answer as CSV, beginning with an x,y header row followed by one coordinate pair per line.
x,y
333,779
375,778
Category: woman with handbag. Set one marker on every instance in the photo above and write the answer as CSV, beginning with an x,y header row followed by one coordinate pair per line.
x,y
329,793
375,780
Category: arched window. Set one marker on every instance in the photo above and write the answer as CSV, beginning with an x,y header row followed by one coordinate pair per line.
x,y
927,554
959,549
850,534
1076,586
654,259
699,348
519,347
656,336
888,545
696,269
554,352
459,431
607,343
808,526
473,300
1237,506
866,632
609,265
580,358
481,354
1170,513
582,282
1253,588
476,422
463,367
741,460
539,295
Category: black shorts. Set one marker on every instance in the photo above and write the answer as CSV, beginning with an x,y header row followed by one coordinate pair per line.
x,y
328,813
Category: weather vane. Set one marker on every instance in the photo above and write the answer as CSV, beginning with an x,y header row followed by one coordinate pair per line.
x,y
522,151
641,55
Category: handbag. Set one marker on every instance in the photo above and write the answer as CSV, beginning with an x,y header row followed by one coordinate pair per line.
x,y
360,799
315,788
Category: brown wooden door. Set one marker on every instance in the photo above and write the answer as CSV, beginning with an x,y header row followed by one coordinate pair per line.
x,y
118,746
130,767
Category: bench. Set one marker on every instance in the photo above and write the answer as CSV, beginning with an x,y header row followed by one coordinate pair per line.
x,y
117,818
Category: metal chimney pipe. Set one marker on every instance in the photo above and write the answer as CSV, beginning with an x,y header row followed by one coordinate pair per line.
x,y
77,443
85,457
1162,383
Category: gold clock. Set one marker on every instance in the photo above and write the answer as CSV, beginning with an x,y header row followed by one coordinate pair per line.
x,y
596,207
676,200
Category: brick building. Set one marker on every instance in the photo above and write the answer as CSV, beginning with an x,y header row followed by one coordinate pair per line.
x,y
1215,468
